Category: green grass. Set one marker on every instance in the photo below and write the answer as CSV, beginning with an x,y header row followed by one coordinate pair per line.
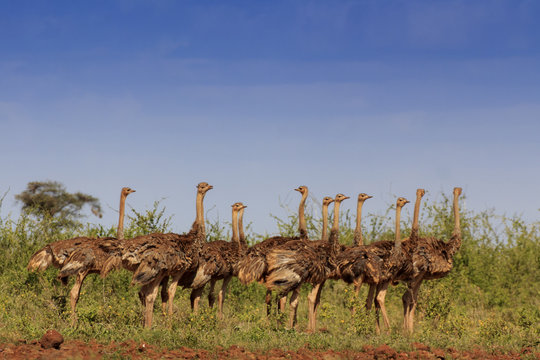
x,y
491,299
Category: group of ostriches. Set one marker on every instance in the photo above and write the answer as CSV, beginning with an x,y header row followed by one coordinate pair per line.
x,y
279,263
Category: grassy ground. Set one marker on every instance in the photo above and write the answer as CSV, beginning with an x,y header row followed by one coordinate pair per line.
x,y
490,300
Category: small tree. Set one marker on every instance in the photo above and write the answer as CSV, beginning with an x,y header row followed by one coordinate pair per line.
x,y
50,199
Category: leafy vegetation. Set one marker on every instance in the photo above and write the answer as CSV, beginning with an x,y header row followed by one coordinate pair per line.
x,y
49,199
491,298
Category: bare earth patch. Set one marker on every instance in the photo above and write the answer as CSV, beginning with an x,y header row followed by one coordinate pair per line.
x,y
75,349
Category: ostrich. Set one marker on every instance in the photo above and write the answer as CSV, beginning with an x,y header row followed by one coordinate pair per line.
x,y
154,257
297,262
431,259
56,253
375,264
354,258
240,252
78,256
292,317
216,262
393,265
358,239
253,266
327,200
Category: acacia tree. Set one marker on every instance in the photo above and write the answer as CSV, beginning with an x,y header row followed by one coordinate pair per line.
x,y
50,199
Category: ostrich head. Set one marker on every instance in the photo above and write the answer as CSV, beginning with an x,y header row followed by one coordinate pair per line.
x,y
327,200
302,189
340,198
238,206
363,197
420,192
204,187
457,191
401,202
126,191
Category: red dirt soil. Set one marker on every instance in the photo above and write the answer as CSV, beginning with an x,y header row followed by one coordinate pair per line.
x,y
75,349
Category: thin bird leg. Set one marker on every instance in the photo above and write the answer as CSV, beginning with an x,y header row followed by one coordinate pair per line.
x,y
221,296
293,306
149,292
171,290
195,297
312,307
317,303
142,299
379,301
74,295
211,296
414,303
268,301
282,303
357,286
164,294
370,297
279,296
409,300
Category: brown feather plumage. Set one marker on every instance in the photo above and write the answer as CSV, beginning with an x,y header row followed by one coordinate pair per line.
x,y
374,263
253,266
216,261
157,253
88,256
56,253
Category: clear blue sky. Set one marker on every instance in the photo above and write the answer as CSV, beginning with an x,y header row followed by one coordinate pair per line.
x,y
259,97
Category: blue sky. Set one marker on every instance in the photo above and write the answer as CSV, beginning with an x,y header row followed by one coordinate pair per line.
x,y
260,97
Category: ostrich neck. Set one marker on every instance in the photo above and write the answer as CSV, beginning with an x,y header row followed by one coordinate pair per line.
x,y
242,239
121,209
455,241
414,230
302,225
324,222
398,234
200,216
358,240
457,228
334,232
235,225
